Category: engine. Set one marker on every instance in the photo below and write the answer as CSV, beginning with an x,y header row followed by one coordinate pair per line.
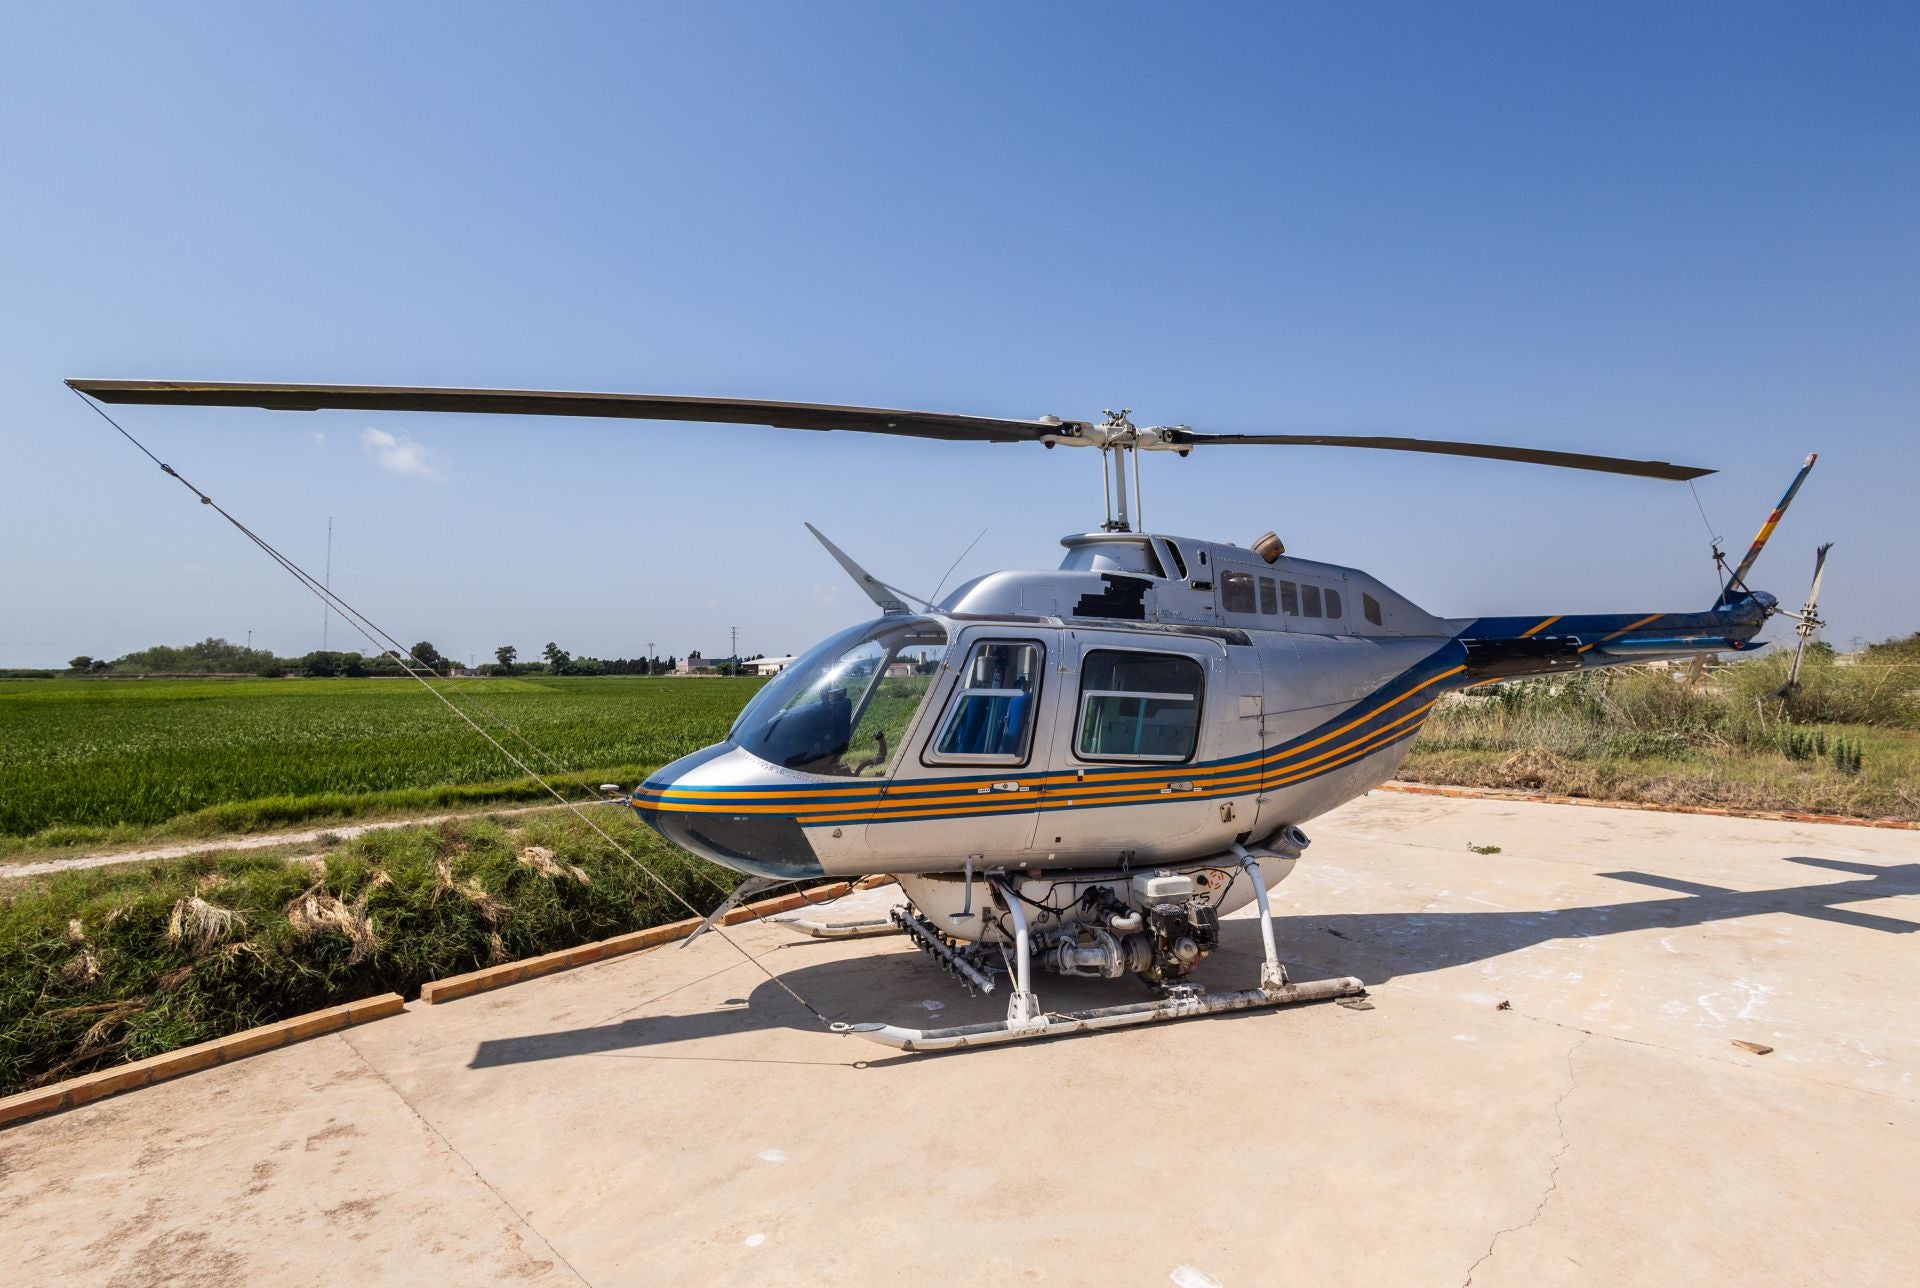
x,y
1160,934
1157,924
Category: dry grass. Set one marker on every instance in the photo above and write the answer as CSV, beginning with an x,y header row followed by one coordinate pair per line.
x,y
200,925
1645,736
541,860
317,912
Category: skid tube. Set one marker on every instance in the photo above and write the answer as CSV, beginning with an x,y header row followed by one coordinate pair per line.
x,y
1026,1020
1179,1007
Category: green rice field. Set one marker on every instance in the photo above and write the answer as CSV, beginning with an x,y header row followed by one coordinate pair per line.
x,y
104,761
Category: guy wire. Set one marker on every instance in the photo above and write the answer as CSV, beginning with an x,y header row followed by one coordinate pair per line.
x,y
404,655
1713,538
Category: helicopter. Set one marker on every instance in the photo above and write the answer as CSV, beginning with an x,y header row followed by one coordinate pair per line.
x,y
1081,769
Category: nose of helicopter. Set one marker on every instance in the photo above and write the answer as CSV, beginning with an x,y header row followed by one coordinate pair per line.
x,y
704,803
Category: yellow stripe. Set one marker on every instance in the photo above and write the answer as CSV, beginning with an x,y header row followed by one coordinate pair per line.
x,y
1098,793
1280,756
825,798
1622,631
1542,626
1366,747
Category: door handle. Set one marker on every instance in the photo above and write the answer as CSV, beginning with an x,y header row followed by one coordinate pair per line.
x,y
1007,787
1183,785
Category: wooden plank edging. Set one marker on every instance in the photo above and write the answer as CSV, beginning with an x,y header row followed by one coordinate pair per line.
x,y
491,977
90,1087
1546,798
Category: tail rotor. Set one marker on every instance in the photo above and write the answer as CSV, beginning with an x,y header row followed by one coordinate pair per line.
x,y
1808,622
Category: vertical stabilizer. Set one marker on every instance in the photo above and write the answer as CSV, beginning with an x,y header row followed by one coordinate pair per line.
x,y
1737,584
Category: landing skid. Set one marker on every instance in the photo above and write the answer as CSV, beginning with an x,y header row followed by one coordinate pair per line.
x,y
1026,1020
1183,1004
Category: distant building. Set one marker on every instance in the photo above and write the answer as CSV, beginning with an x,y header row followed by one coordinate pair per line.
x,y
769,665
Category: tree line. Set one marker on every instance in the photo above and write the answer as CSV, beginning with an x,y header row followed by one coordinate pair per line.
x,y
215,656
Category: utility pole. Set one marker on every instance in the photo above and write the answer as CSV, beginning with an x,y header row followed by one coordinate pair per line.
x,y
249,640
326,610
734,660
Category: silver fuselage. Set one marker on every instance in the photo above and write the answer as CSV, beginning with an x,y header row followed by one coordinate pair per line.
x,y
1308,682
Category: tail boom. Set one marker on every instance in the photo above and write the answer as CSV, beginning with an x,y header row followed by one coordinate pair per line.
x,y
1498,648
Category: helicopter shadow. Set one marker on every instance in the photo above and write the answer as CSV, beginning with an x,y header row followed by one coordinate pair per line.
x,y
909,989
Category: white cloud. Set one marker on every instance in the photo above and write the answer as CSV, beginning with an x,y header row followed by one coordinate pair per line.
x,y
398,454
824,595
319,437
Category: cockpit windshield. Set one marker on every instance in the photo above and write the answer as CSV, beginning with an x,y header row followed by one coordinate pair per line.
x,y
843,708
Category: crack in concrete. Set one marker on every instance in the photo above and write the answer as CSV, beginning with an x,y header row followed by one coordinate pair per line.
x,y
454,1149
1553,1173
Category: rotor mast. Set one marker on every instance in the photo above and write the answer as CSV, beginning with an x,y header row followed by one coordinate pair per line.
x,y
1118,438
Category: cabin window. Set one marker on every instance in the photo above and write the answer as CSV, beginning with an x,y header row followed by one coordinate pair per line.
x,y
1309,600
1139,706
1290,599
1179,560
1236,592
1333,602
990,719
1371,607
1269,599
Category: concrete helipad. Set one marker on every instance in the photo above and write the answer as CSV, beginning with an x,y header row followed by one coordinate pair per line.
x,y
674,1117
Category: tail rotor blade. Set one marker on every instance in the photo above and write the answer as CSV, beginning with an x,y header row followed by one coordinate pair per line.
x,y
1819,571
1809,622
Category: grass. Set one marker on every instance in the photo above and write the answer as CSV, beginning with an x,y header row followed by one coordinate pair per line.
x,y
106,965
111,762
1847,743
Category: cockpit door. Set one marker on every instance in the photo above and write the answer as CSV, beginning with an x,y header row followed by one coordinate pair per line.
x,y
972,775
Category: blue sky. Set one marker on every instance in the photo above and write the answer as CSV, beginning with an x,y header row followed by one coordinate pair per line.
x,y
1689,232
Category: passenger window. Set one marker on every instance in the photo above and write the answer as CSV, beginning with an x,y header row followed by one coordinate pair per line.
x,y
1269,601
1139,706
1333,602
1371,607
1310,600
991,716
1289,599
1236,592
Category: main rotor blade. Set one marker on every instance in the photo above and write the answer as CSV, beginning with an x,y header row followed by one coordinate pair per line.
x,y
1440,447
535,402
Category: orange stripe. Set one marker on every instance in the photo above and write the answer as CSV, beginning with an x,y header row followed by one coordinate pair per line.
x,y
686,799
1101,793
1280,756
1542,626
1622,631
